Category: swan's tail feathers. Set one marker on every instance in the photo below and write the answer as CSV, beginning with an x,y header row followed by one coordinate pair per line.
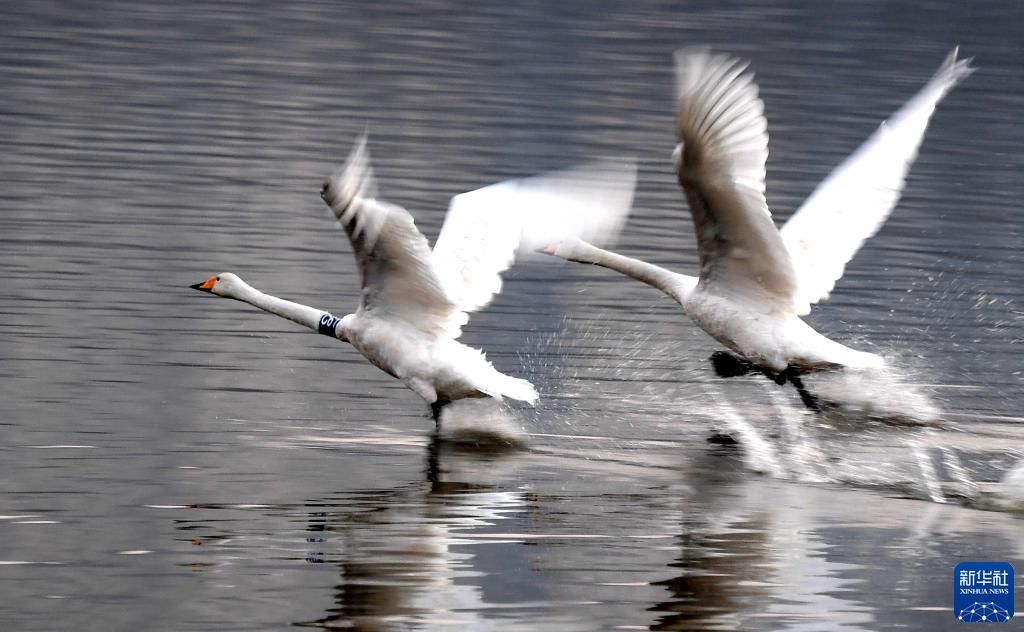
x,y
501,385
838,356
354,182
521,390
864,360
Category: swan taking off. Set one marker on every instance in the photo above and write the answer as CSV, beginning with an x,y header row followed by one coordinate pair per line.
x,y
755,280
415,300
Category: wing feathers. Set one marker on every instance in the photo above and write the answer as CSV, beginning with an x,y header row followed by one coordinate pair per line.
x,y
853,202
393,256
483,231
485,228
721,168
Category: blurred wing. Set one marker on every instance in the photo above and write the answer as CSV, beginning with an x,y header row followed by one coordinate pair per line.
x,y
853,202
393,256
721,167
485,228
589,202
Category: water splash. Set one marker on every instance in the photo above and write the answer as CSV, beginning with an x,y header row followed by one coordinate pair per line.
x,y
1010,491
803,449
888,433
965,486
929,477
759,455
482,423
887,395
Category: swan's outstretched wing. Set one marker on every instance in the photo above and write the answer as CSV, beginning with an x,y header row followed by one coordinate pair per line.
x,y
721,167
853,202
393,256
485,228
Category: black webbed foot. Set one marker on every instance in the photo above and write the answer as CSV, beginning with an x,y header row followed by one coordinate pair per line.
x,y
722,438
729,365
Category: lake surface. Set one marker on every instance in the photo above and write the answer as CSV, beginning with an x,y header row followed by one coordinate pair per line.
x,y
170,461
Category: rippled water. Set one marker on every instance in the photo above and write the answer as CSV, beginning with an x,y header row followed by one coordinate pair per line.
x,y
169,461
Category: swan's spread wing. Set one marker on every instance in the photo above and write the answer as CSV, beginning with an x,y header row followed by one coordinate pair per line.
x,y
393,256
485,228
854,201
721,167
476,244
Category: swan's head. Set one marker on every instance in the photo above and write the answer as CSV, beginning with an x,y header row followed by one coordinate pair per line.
x,y
224,284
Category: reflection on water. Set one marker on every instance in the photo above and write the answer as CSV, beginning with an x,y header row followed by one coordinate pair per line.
x,y
170,462
711,549
400,563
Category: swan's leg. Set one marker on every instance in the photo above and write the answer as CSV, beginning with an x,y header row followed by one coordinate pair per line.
x,y
425,390
435,409
730,365
810,400
779,378
792,376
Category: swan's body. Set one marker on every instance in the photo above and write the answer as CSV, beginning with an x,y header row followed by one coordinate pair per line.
x,y
755,280
437,368
415,300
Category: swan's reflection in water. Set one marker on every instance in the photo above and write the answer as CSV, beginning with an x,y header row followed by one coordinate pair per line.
x,y
670,536
766,555
404,557
746,556
715,548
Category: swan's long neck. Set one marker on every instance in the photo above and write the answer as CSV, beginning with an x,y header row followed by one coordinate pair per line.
x,y
678,286
315,319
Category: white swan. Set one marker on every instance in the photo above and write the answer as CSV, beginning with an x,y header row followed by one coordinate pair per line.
x,y
755,280
414,301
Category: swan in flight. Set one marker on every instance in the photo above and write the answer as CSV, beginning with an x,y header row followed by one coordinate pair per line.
x,y
415,300
756,280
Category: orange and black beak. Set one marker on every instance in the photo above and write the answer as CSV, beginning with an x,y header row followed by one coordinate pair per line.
x,y
205,286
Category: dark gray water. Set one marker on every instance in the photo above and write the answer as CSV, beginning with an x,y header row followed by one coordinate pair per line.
x,y
170,461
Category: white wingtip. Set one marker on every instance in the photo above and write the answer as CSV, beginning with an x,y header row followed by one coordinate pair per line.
x,y
354,180
350,194
687,61
953,70
719,119
858,196
590,202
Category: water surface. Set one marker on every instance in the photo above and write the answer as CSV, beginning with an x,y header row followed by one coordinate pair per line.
x,y
170,461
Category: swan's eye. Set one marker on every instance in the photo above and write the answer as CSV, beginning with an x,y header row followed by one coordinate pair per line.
x,y
217,279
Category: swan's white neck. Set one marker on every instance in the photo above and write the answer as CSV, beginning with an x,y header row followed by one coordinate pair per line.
x,y
315,319
677,286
